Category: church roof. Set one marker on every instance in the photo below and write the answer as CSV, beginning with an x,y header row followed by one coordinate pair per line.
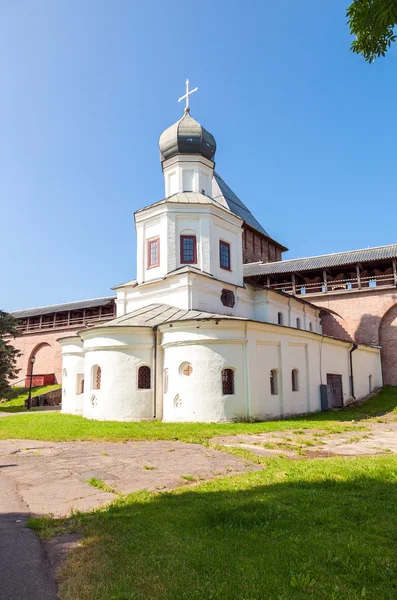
x,y
79,305
157,314
223,194
186,136
189,198
338,259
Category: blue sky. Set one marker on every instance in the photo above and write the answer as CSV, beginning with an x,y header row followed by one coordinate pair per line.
x,y
306,131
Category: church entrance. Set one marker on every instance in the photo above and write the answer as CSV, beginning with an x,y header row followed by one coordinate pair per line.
x,y
335,391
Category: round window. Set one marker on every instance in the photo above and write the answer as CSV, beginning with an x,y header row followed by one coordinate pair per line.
x,y
186,369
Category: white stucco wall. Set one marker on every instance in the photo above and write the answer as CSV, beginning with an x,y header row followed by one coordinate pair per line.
x,y
119,352
72,373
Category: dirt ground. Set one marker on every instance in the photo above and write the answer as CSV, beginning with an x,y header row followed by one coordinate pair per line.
x,y
51,477
376,438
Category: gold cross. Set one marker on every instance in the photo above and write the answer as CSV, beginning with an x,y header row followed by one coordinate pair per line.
x,y
187,109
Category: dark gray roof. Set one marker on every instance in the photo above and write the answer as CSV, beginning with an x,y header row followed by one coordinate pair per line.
x,y
45,310
224,195
321,262
186,136
156,314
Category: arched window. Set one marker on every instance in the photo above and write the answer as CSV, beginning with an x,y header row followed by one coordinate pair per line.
x,y
96,374
370,384
80,383
295,380
280,318
144,378
310,326
274,382
298,323
227,382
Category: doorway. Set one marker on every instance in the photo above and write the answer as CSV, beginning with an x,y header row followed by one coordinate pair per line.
x,y
335,391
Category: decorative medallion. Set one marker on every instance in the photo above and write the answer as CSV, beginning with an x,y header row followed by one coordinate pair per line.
x,y
94,401
228,298
177,401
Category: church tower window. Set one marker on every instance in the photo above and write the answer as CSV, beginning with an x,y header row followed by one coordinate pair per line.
x,y
298,323
280,319
224,255
153,253
188,249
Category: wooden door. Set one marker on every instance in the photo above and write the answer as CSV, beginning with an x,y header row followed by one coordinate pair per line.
x,y
335,391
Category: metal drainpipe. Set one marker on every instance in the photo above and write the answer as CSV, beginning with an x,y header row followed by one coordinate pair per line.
x,y
154,370
353,348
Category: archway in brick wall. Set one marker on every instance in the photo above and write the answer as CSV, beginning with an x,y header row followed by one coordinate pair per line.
x,y
43,354
388,341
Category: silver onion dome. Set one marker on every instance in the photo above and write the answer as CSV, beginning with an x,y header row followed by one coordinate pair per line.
x,y
186,136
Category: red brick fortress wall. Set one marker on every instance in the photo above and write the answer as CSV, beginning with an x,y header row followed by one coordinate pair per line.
x,y
44,346
367,317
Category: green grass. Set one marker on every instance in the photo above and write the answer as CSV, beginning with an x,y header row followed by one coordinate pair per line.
x,y
101,485
57,427
17,403
320,529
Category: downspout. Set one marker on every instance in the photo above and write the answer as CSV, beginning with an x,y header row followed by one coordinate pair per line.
x,y
154,371
353,348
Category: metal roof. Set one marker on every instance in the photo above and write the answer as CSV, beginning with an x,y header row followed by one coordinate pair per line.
x,y
157,314
45,310
186,136
224,195
321,262
189,198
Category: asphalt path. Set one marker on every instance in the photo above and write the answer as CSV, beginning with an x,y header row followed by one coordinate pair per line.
x,y
25,573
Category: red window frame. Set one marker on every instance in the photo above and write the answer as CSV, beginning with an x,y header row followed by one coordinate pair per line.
x,y
150,265
189,262
227,245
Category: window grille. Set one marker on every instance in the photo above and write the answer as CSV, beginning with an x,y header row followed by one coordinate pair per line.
x,y
224,255
227,382
98,378
273,382
188,249
144,378
82,386
294,380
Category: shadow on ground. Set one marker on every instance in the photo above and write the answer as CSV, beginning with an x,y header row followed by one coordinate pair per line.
x,y
326,529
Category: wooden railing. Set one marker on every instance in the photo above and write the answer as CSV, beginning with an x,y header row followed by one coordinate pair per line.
x,y
62,323
329,285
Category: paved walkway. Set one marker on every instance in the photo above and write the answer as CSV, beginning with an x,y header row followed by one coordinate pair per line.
x,y
25,573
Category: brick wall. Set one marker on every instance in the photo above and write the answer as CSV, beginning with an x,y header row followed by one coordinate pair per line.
x,y
46,349
258,247
367,317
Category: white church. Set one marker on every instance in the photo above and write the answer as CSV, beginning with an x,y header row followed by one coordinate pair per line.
x,y
194,341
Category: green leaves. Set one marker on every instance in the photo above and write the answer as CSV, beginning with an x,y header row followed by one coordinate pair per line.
x,y
372,22
8,354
